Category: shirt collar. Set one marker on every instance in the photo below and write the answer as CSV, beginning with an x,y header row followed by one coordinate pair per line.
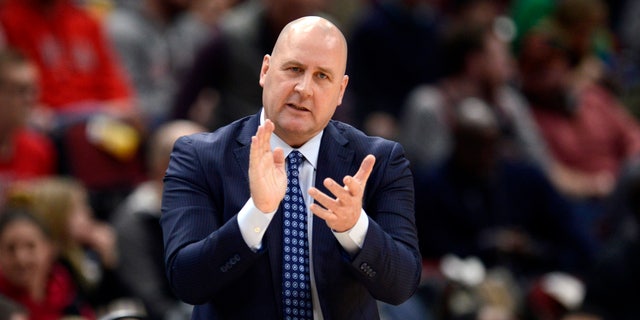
x,y
309,150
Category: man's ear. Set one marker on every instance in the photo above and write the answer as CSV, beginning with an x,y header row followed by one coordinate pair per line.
x,y
264,68
343,88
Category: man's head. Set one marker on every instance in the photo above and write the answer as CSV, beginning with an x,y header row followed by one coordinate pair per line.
x,y
478,53
18,90
161,143
304,78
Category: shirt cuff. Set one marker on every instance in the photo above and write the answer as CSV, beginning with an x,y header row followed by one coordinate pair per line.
x,y
253,223
353,239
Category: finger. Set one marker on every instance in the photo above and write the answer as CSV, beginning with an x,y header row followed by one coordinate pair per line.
x,y
253,152
256,142
322,213
341,193
269,127
365,169
323,199
264,136
352,185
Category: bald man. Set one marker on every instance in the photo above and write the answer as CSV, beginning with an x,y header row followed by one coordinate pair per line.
x,y
235,245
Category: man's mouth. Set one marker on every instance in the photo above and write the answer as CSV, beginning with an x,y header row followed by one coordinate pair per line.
x,y
297,107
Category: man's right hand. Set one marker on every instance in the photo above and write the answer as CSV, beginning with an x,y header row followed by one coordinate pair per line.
x,y
267,175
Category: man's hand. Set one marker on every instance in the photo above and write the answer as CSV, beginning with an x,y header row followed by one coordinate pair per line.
x,y
267,176
342,213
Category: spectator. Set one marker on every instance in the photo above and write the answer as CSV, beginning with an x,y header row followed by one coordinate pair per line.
x,y
30,273
86,102
526,14
87,246
405,36
221,85
588,131
478,203
24,152
580,28
157,41
78,71
477,63
139,234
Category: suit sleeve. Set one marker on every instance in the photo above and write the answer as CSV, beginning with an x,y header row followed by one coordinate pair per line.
x,y
203,253
389,262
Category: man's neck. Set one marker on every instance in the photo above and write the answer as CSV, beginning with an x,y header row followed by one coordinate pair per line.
x,y
6,145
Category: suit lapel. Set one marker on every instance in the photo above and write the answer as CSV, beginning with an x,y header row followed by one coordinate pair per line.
x,y
335,161
243,140
273,236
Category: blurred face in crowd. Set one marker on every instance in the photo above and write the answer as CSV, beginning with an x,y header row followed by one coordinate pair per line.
x,y
18,94
304,79
26,253
497,61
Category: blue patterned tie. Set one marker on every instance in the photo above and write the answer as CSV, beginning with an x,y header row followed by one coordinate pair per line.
x,y
296,290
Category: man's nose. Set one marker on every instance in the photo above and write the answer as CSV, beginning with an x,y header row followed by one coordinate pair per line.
x,y
304,85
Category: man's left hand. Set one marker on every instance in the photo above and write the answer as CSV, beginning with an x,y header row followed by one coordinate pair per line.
x,y
342,212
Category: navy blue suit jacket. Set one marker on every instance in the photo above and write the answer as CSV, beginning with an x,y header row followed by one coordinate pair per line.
x,y
209,264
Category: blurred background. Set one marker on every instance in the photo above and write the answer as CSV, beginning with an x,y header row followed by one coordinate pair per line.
x,y
519,117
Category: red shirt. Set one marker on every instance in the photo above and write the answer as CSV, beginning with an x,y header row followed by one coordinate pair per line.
x,y
599,137
33,156
69,46
60,298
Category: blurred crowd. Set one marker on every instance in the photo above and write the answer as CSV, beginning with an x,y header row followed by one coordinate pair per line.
x,y
520,119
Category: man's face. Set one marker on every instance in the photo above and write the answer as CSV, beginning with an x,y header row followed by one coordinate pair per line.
x,y
303,82
18,94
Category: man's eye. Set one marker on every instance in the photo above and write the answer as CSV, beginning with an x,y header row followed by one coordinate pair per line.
x,y
296,69
323,76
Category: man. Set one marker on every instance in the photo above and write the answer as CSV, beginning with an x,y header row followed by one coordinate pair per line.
x,y
140,249
78,70
156,41
476,63
85,99
24,153
226,200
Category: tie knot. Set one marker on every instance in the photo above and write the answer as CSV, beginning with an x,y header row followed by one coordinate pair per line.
x,y
295,158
